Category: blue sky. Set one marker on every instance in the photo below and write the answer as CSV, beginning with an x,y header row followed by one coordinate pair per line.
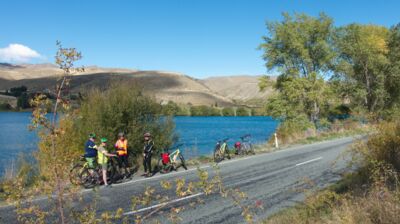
x,y
198,38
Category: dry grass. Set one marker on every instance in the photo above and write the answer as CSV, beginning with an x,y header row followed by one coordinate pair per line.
x,y
371,195
377,206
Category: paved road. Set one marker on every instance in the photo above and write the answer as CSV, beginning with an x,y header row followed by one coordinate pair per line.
x,y
274,179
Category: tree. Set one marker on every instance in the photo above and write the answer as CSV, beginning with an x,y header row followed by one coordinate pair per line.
x,y
392,82
170,108
241,111
55,153
363,62
228,111
23,101
300,48
204,111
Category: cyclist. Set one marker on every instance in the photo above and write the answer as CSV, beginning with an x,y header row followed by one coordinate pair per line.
x,y
122,151
91,151
147,151
102,158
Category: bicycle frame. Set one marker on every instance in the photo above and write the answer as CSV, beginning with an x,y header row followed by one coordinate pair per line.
x,y
174,155
222,147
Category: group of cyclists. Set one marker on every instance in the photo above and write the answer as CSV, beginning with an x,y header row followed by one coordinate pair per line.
x,y
98,154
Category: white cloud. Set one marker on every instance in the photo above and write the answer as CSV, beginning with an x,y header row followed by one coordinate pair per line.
x,y
18,53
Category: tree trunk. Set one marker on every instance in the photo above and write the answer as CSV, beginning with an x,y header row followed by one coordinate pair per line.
x,y
369,96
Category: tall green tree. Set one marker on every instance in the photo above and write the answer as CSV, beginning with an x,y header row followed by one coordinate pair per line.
x,y
392,83
362,63
300,49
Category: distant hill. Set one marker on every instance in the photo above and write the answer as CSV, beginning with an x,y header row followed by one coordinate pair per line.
x,y
164,86
243,89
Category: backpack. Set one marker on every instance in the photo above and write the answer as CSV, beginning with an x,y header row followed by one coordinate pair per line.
x,y
237,145
165,158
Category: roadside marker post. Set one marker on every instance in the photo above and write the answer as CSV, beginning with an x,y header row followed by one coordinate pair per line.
x,y
276,141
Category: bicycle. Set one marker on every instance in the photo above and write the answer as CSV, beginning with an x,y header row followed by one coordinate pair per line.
x,y
245,147
221,148
168,161
81,174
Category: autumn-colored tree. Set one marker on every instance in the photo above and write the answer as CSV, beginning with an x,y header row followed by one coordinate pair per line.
x,y
362,63
55,154
392,82
300,49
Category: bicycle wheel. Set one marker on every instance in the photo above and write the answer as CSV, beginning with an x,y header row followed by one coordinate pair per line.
x,y
245,149
226,151
160,165
75,174
241,149
88,180
111,171
217,155
183,161
252,149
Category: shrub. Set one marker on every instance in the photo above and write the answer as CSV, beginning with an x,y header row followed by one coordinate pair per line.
x,y
123,108
228,111
171,108
5,106
242,112
204,111
380,155
23,101
292,129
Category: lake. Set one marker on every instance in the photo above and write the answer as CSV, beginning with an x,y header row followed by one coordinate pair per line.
x,y
198,134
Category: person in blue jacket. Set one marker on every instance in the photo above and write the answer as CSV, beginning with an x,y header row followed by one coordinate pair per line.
x,y
91,151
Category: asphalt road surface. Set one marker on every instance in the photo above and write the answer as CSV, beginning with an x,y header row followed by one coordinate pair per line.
x,y
273,180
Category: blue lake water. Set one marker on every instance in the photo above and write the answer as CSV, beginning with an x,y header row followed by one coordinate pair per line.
x,y
198,134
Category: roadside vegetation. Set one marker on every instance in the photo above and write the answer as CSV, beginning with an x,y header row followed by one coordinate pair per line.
x,y
337,80
369,195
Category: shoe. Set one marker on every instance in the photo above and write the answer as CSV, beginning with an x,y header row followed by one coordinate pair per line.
x,y
107,186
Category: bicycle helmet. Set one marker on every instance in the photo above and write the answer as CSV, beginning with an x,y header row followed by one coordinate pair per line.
x,y
121,134
92,135
103,140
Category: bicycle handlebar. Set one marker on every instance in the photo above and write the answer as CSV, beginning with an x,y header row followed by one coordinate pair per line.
x,y
245,136
177,146
174,147
223,140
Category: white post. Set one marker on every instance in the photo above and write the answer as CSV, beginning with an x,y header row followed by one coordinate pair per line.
x,y
276,141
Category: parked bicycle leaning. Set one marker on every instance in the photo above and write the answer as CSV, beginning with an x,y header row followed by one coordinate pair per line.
x,y
169,161
244,147
221,150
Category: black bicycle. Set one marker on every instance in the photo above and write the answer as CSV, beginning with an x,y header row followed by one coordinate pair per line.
x,y
245,147
221,150
82,174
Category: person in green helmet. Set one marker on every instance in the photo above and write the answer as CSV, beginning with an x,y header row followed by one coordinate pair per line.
x,y
91,151
102,158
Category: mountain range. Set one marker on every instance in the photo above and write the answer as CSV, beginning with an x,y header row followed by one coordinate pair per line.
x,y
164,86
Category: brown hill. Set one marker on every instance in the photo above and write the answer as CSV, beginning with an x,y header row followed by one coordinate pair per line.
x,y
164,86
242,89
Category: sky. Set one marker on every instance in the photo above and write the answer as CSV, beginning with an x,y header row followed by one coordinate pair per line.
x,y
198,38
